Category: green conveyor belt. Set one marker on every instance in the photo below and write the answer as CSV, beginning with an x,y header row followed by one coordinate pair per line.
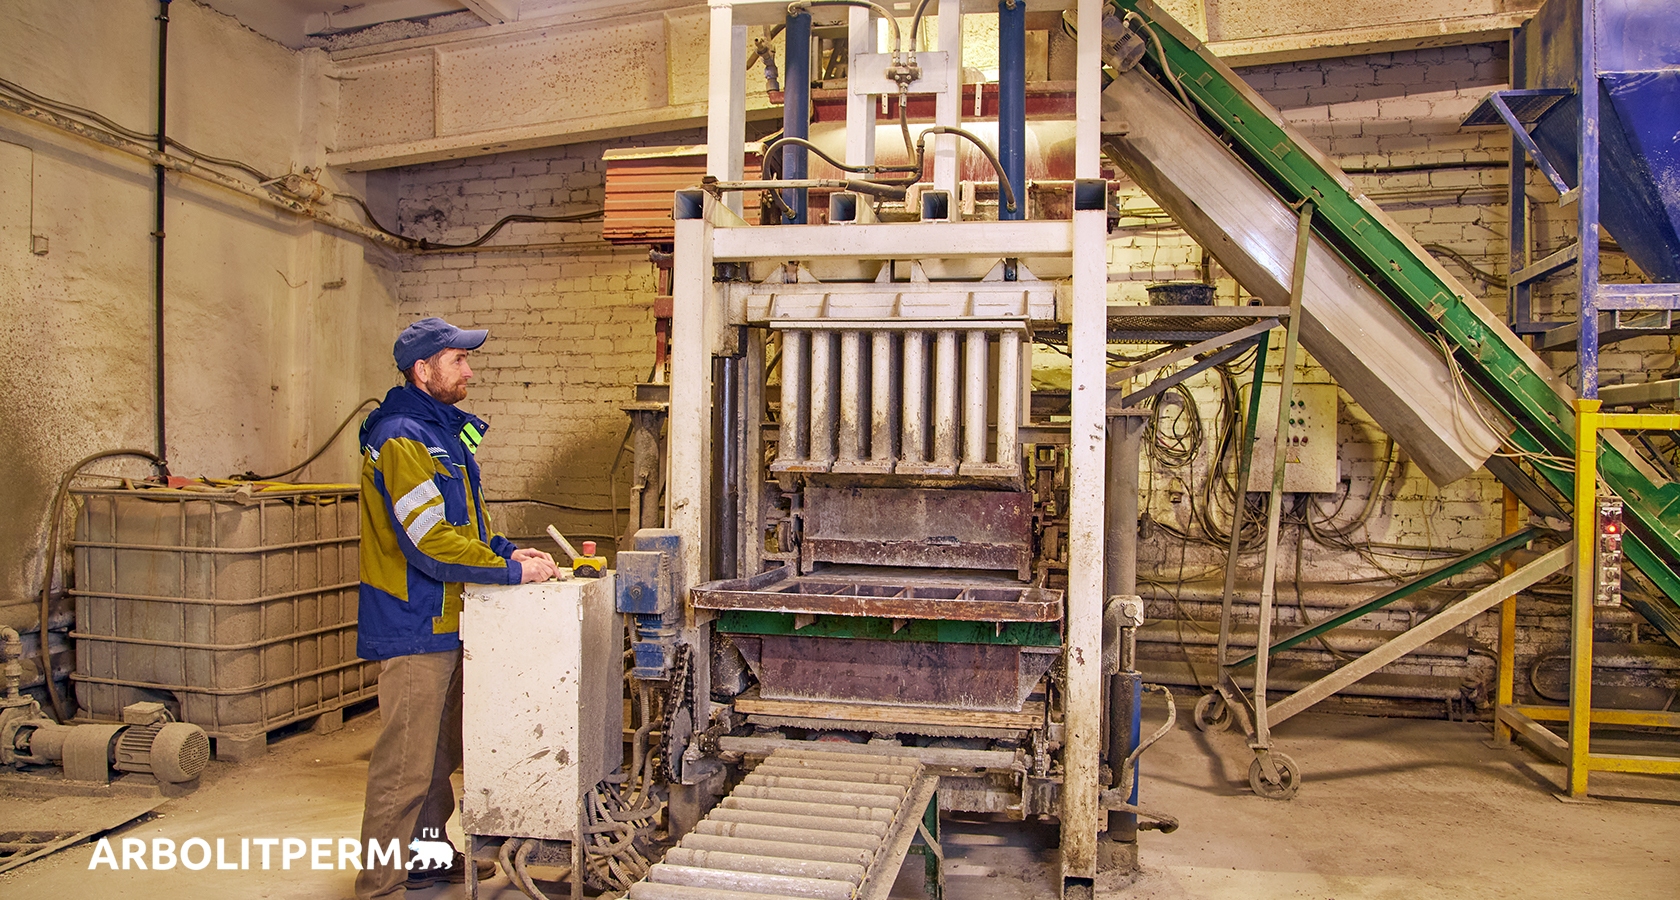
x,y
1484,349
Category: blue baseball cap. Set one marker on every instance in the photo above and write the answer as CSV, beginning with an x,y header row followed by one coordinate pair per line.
x,y
428,336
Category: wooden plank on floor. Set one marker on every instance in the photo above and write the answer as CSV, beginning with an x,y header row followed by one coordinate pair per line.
x,y
1550,745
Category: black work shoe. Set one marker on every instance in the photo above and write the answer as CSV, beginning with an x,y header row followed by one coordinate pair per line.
x,y
454,873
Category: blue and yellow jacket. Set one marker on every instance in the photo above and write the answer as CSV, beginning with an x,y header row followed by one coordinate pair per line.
x,y
424,531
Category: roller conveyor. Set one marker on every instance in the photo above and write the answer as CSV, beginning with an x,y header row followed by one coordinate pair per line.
x,y
804,824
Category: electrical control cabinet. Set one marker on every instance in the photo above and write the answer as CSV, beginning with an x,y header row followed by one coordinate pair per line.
x,y
544,717
1309,438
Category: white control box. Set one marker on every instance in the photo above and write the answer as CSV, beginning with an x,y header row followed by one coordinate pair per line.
x,y
1309,438
543,717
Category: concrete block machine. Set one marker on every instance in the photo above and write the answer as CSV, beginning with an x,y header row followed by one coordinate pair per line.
x,y
887,558
894,577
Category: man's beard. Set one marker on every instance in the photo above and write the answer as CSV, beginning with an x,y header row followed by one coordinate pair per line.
x,y
450,395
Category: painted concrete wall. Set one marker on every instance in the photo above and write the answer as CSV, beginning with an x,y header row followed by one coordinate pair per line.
x,y
275,328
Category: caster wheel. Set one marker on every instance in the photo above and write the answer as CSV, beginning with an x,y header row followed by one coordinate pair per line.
x,y
1212,715
1283,790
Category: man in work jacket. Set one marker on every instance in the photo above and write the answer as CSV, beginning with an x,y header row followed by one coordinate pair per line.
x,y
424,534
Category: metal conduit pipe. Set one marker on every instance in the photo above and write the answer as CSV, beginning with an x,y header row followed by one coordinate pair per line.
x,y
505,855
796,112
975,379
945,400
157,235
1115,800
193,170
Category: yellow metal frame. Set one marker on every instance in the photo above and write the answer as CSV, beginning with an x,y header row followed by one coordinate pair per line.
x,y
1575,753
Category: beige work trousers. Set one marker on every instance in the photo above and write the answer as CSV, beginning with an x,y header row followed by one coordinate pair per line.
x,y
419,748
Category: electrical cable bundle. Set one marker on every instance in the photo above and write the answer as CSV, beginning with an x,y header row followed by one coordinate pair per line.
x,y
616,835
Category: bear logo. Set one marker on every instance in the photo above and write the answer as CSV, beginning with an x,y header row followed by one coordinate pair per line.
x,y
433,854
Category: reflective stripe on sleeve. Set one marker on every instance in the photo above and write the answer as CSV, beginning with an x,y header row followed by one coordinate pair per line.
x,y
422,494
423,523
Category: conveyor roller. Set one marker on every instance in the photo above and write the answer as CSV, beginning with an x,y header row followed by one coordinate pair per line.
x,y
803,824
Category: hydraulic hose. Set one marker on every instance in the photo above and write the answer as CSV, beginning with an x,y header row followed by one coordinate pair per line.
x,y
505,857
1119,799
805,5
997,166
1138,23
520,876
248,476
44,655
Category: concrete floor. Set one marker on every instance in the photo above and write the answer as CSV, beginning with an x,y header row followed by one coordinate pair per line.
x,y
1389,808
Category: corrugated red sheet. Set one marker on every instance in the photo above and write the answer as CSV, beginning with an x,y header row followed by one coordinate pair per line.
x,y
639,188
640,182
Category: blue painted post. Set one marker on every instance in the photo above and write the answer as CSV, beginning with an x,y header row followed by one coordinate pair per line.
x,y
1128,821
1587,184
796,112
1012,103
